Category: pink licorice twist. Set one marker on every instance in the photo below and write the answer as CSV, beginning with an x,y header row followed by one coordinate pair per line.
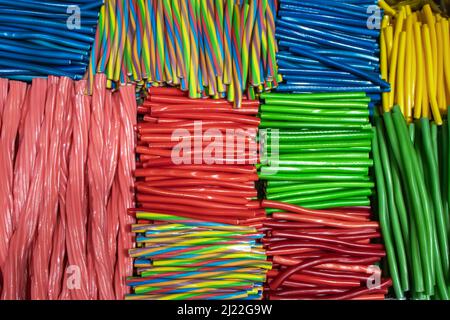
x,y
11,119
76,216
27,152
57,260
110,160
91,275
16,266
47,220
128,111
99,249
3,96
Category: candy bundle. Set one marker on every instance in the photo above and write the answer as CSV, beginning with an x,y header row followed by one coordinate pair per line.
x,y
414,56
66,191
316,149
323,254
196,181
411,157
207,47
412,168
329,47
181,258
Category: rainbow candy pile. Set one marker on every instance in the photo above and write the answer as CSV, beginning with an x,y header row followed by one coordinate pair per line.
x,y
207,47
181,258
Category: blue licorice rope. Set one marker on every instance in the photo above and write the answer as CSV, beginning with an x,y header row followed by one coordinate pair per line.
x,y
319,88
33,58
46,37
325,79
35,40
31,49
314,63
52,7
319,73
324,38
333,6
333,25
327,46
284,12
307,52
38,68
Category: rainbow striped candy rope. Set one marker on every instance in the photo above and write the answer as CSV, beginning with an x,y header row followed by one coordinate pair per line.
x,y
181,258
216,48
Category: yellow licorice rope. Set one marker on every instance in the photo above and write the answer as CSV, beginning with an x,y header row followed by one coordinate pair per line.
x,y
415,59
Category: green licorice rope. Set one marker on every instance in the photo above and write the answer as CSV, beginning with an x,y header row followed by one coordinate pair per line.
x,y
311,145
384,220
315,111
431,162
313,177
417,271
269,156
314,96
351,147
324,104
391,212
410,237
412,132
285,183
301,139
401,154
311,125
329,163
365,100
419,151
326,196
316,169
444,172
325,155
297,188
284,137
272,155
442,289
447,178
439,240
307,133
298,193
425,198
399,199
438,273
434,140
428,205
327,147
418,195
343,120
